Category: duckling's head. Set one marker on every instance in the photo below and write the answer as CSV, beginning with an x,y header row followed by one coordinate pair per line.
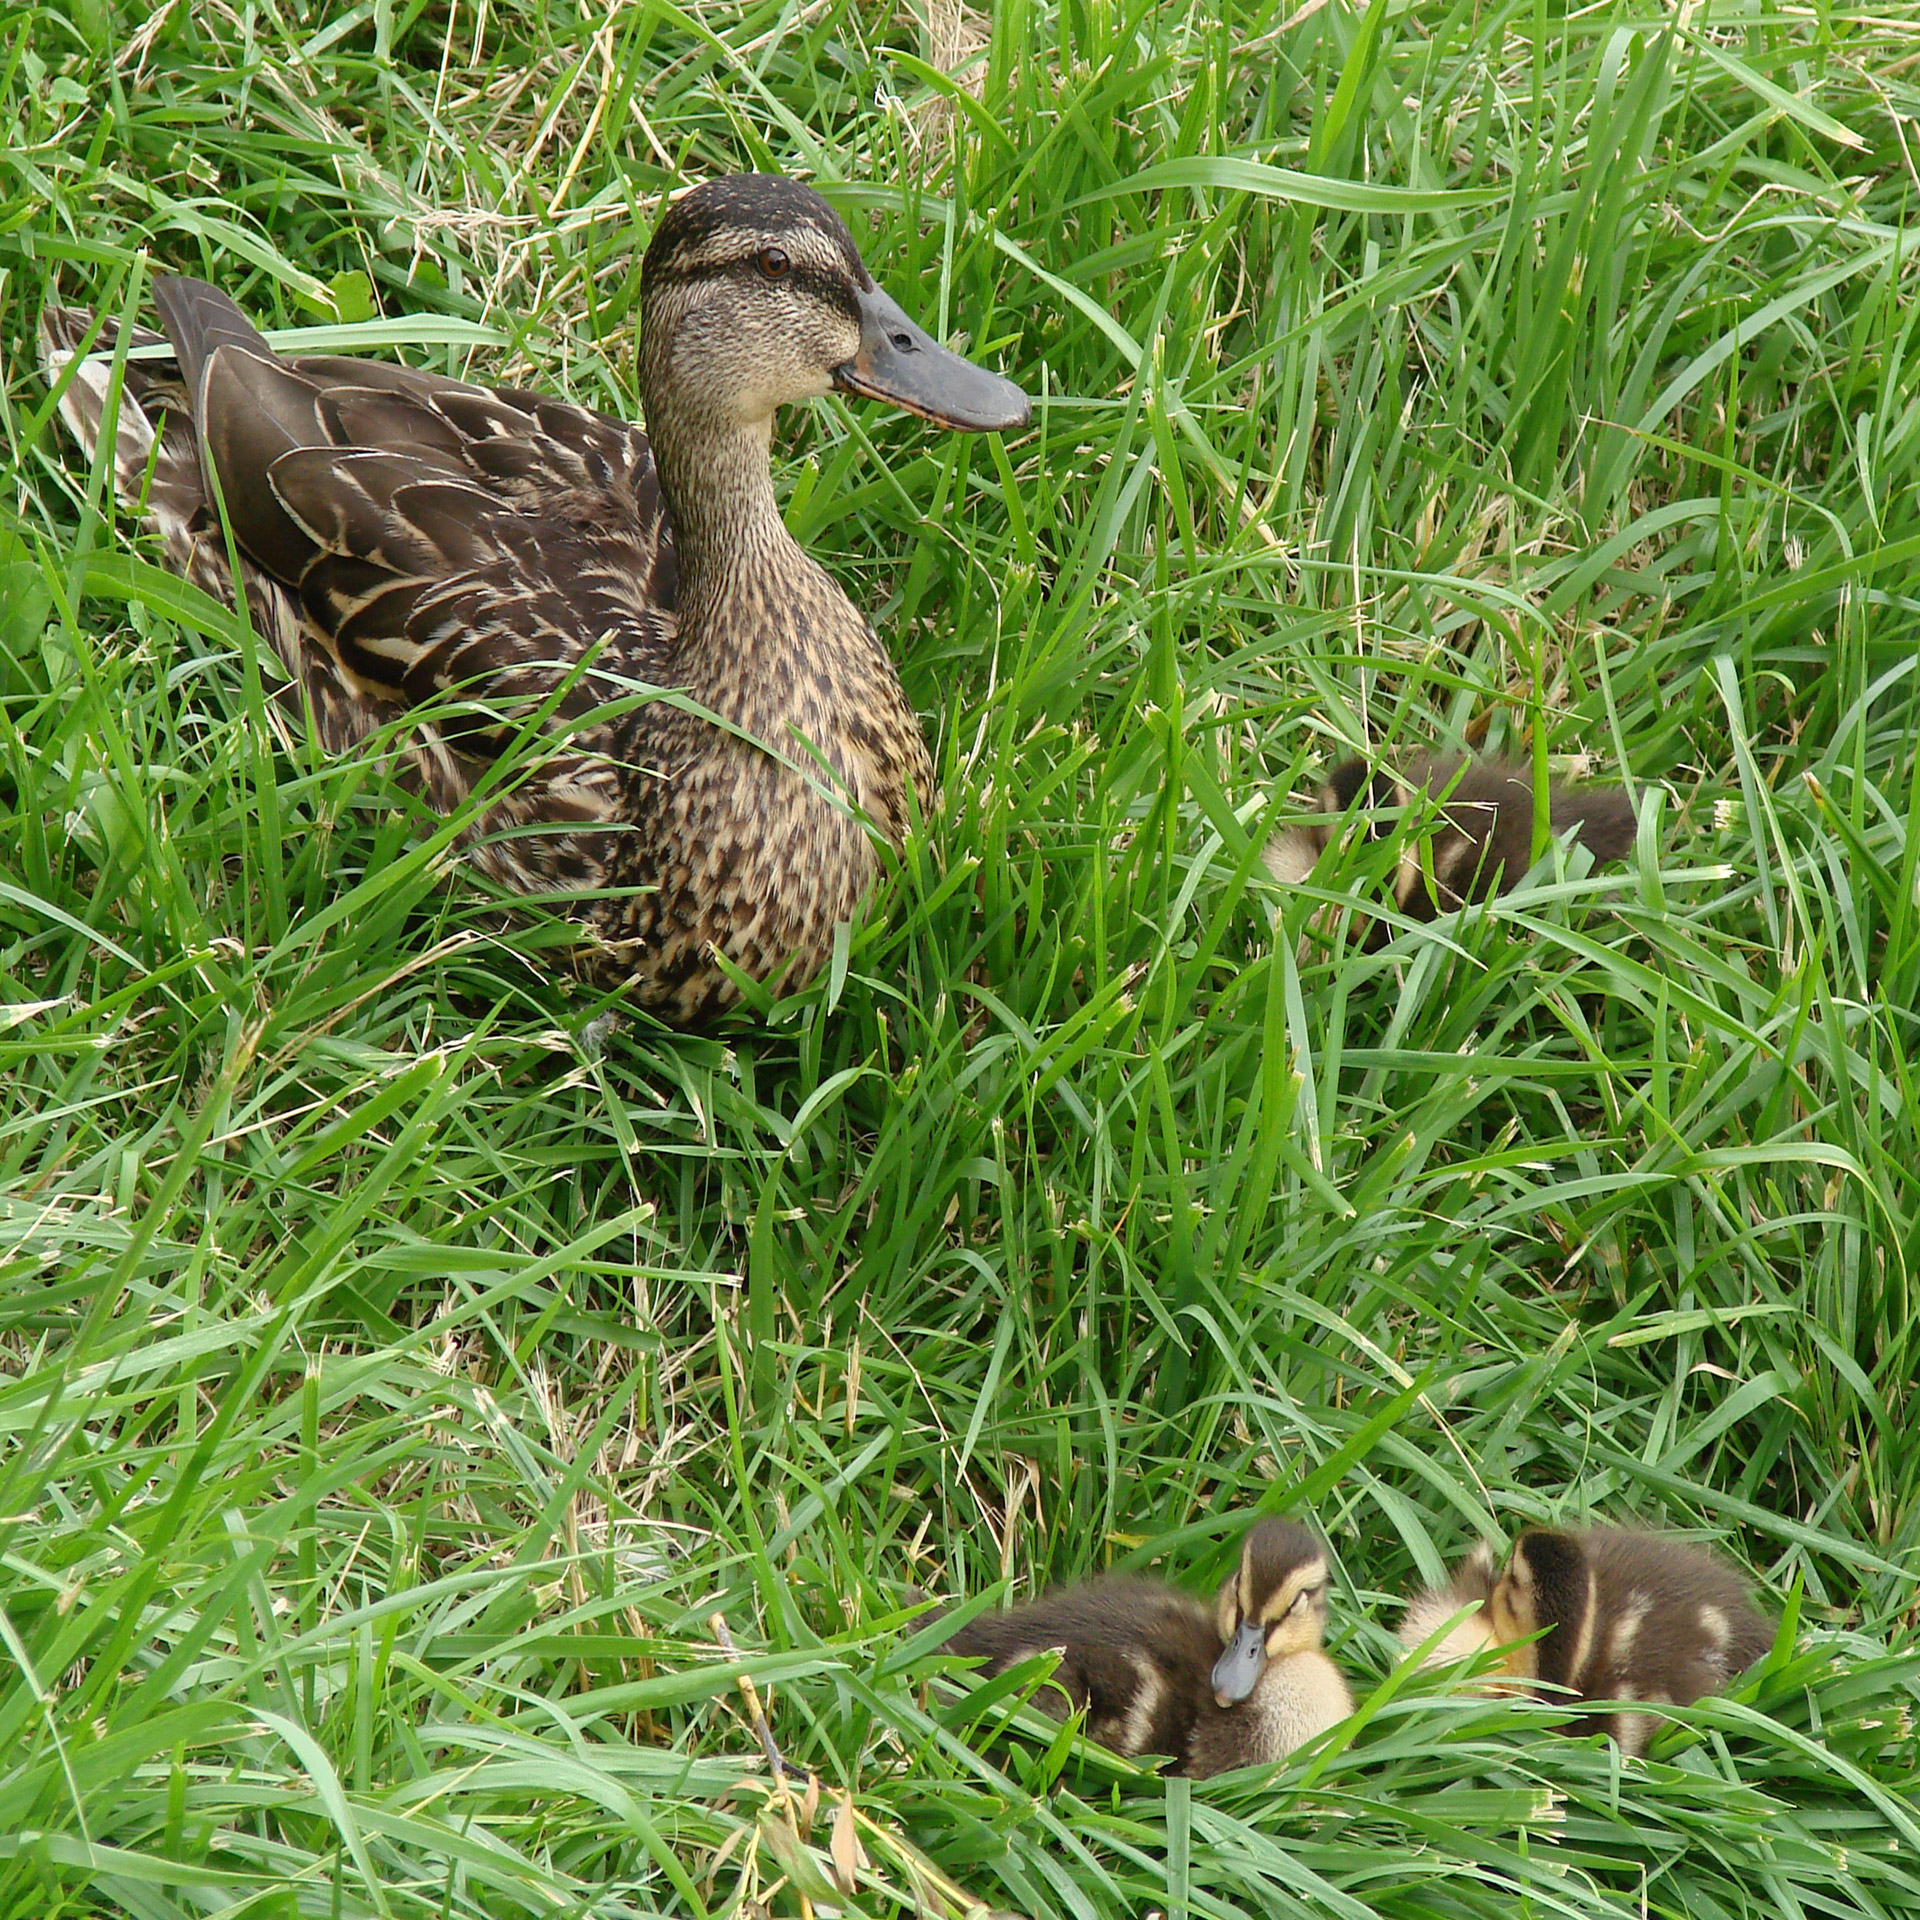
x,y
1548,1585
1293,852
752,295
1273,1605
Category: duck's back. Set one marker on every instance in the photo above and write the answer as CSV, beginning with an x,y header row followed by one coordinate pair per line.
x,y
402,535
1136,1654
1671,1622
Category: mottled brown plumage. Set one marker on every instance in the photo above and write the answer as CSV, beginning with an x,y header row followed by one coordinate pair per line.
x,y
1156,1672
1135,1655
469,564
1619,1616
1480,843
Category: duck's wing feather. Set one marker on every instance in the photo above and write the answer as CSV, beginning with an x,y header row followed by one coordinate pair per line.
x,y
156,457
406,537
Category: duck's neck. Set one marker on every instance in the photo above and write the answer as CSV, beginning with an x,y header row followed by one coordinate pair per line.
x,y
734,549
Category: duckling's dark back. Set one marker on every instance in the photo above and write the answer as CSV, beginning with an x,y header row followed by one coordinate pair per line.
x,y
1481,840
1135,1653
1639,1617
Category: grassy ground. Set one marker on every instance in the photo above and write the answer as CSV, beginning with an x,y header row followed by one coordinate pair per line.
x,y
399,1379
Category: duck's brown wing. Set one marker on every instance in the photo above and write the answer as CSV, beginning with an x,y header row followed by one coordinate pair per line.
x,y
409,537
1135,1654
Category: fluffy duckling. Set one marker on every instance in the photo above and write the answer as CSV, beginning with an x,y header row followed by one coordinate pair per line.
x,y
1155,1672
1273,1688
1135,1657
1478,846
1618,1615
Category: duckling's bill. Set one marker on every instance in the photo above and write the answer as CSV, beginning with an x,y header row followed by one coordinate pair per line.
x,y
902,363
1237,1672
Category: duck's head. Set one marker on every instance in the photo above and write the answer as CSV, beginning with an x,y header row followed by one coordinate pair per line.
x,y
1547,1590
753,295
1273,1604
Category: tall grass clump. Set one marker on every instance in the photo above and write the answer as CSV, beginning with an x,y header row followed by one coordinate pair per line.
x,y
427,1402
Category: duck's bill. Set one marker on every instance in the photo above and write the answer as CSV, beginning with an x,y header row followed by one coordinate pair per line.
x,y
1238,1668
901,363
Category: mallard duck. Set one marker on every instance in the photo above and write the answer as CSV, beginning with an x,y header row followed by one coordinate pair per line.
x,y
1156,1672
1618,1616
1272,1688
477,562
1478,846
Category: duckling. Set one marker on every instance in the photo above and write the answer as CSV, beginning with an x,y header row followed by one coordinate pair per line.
x,y
1470,1585
404,537
1619,1616
1273,1687
1156,1672
1481,843
1136,1656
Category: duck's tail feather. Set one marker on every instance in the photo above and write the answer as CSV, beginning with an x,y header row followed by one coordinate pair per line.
x,y
157,474
156,461
200,320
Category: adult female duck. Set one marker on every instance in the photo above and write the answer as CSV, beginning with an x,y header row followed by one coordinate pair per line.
x,y
474,562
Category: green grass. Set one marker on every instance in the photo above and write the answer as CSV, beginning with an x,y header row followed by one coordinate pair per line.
x,y
401,1370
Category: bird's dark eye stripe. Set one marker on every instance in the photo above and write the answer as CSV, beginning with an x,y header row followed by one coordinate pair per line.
x,y
814,281
821,282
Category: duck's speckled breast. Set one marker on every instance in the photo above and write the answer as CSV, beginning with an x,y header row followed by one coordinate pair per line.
x,y
756,842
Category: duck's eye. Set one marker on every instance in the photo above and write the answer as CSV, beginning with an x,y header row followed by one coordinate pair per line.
x,y
774,262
